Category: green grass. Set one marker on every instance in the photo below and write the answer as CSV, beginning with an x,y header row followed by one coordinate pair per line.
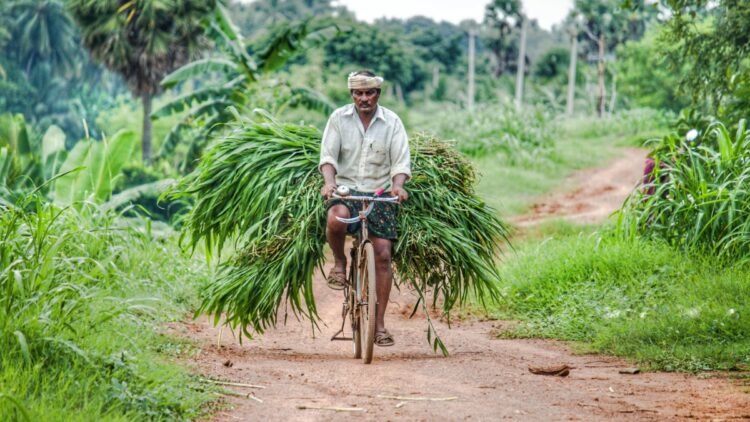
x,y
84,302
511,187
639,299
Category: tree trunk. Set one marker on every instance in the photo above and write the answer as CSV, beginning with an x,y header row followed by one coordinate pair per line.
x,y
520,68
400,93
146,139
602,88
572,77
613,97
435,76
470,90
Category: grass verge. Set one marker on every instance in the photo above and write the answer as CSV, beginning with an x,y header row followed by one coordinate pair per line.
x,y
84,302
638,299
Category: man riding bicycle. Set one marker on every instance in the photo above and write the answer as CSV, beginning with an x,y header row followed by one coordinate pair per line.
x,y
365,147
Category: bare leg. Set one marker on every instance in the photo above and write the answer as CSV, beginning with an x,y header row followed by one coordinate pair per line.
x,y
384,277
336,235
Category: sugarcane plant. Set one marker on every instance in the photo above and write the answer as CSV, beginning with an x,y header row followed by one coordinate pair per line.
x,y
257,188
697,196
241,72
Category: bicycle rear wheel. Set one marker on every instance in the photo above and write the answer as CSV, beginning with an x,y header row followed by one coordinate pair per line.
x,y
368,300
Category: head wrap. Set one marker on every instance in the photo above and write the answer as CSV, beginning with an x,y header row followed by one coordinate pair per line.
x,y
356,81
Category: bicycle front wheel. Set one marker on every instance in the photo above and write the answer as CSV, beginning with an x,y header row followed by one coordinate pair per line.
x,y
368,301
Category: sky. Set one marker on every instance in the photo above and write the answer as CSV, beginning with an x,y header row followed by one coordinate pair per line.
x,y
547,12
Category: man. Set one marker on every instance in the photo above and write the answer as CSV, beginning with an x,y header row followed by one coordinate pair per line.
x,y
365,147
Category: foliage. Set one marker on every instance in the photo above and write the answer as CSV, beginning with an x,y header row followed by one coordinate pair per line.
x,y
700,200
82,300
258,187
491,128
242,78
45,74
644,77
369,47
501,18
98,164
640,299
27,160
712,36
142,40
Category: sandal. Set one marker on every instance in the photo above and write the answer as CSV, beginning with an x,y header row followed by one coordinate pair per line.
x,y
384,339
336,279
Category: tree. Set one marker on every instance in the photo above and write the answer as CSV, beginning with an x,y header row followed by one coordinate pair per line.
x,y
502,17
712,37
142,40
381,51
605,24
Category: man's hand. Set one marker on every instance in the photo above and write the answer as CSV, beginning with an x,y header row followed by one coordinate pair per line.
x,y
402,194
328,190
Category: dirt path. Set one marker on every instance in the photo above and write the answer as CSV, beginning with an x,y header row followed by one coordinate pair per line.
x,y
597,192
488,377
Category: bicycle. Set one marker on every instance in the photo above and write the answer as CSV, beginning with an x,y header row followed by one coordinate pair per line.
x,y
360,297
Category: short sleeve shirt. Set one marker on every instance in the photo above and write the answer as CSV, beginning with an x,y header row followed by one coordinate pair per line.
x,y
365,160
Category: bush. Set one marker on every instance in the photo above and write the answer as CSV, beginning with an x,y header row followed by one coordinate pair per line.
x,y
701,199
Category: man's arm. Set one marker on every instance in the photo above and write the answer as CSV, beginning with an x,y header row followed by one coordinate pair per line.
x,y
329,178
398,187
329,154
400,162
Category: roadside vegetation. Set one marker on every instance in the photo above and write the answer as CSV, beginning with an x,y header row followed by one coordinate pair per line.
x,y
84,305
106,104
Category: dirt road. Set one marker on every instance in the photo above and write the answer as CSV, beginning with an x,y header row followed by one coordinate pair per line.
x,y
484,378
595,193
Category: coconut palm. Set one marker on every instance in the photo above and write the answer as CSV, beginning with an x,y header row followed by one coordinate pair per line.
x,y
42,32
142,40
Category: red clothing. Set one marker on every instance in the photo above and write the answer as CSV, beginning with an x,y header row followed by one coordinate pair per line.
x,y
649,177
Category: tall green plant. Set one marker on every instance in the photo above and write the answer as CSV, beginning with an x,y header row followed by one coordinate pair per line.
x,y
700,198
91,168
26,160
243,75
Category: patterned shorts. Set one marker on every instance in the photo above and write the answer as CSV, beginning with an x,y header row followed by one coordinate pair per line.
x,y
380,223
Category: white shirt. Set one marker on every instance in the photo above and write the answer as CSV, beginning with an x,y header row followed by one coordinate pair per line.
x,y
365,160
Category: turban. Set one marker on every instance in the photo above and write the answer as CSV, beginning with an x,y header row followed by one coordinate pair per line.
x,y
364,82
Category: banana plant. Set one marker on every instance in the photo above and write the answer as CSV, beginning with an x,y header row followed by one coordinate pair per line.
x,y
243,75
91,168
26,160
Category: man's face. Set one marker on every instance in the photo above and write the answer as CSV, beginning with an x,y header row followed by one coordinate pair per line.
x,y
365,99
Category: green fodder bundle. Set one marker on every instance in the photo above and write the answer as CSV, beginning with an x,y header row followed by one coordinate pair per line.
x,y
700,199
258,187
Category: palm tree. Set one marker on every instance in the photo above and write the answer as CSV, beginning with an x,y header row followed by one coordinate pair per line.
x,y
42,32
142,40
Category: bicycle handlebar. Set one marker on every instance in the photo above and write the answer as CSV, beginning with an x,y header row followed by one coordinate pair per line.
x,y
370,199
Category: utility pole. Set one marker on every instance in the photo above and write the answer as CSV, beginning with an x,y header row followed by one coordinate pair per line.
x,y
572,75
470,90
521,63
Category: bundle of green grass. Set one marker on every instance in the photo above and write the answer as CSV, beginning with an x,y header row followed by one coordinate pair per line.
x,y
258,188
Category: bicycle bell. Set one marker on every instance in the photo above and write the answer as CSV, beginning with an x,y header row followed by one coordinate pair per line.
x,y
343,191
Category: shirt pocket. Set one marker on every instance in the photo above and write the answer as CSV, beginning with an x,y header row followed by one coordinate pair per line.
x,y
377,151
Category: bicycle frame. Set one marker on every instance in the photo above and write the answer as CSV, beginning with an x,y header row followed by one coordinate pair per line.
x,y
352,305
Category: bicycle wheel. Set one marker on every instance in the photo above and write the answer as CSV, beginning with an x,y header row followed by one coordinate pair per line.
x,y
369,300
354,311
